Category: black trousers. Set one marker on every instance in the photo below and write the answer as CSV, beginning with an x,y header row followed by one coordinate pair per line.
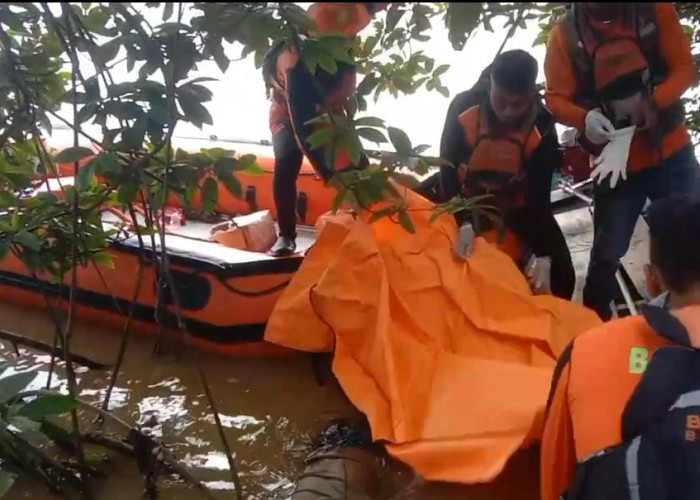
x,y
305,94
288,160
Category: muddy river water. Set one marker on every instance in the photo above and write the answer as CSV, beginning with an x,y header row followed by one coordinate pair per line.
x,y
271,406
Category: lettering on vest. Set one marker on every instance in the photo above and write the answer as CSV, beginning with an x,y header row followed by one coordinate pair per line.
x,y
692,426
639,359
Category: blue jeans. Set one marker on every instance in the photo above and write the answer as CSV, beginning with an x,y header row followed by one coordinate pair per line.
x,y
616,214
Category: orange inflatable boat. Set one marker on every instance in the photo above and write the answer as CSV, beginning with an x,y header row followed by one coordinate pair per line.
x,y
313,200
226,295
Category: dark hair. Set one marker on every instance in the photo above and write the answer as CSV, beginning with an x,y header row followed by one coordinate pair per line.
x,y
515,71
674,231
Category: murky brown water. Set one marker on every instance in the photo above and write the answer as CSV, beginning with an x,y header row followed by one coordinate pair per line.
x,y
272,407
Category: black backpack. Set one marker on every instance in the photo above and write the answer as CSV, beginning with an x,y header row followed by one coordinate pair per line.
x,y
659,458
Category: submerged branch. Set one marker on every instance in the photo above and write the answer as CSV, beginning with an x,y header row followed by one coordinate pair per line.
x,y
16,338
222,436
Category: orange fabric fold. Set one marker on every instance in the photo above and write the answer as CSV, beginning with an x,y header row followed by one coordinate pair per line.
x,y
450,360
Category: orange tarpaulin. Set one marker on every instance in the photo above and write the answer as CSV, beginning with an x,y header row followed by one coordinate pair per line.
x,y
450,360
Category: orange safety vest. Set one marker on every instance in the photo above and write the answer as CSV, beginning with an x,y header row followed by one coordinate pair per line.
x,y
593,382
617,59
496,166
497,161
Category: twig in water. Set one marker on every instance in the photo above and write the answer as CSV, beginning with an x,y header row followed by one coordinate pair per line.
x,y
222,436
127,326
16,339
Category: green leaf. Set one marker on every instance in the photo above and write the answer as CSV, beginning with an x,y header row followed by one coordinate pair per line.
x,y
393,16
298,18
461,20
5,244
190,192
108,163
370,121
372,134
353,147
12,385
199,92
194,112
181,155
28,240
400,141
86,174
225,165
159,112
249,163
339,199
200,161
6,199
384,212
406,222
220,57
96,19
46,406
320,137
232,184
406,180
254,169
168,10
7,479
71,155
87,112
105,53
103,259
210,194
127,192
367,85
441,69
24,424
133,136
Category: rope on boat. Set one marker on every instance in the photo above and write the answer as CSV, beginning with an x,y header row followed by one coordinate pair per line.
x,y
257,293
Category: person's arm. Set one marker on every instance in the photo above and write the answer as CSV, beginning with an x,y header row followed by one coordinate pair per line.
x,y
453,146
540,167
558,452
675,48
561,82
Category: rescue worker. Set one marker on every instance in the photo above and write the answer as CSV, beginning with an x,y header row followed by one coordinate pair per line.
x,y
618,381
296,96
609,66
503,141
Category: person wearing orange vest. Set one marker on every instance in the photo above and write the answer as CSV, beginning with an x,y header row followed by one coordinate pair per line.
x,y
623,416
610,66
503,142
295,96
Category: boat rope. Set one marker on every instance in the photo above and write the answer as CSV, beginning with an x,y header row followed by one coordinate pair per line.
x,y
257,293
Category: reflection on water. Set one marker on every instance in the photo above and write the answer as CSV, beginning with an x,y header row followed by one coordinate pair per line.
x,y
271,408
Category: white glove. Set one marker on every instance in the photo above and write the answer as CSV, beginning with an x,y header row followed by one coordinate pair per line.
x,y
539,274
613,160
598,127
568,138
465,241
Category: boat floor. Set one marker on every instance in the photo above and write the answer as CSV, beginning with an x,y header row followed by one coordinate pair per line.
x,y
191,240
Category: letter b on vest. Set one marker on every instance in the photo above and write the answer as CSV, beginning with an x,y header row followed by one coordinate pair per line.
x,y
639,359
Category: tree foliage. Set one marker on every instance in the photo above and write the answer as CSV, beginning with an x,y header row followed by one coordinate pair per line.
x,y
56,66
